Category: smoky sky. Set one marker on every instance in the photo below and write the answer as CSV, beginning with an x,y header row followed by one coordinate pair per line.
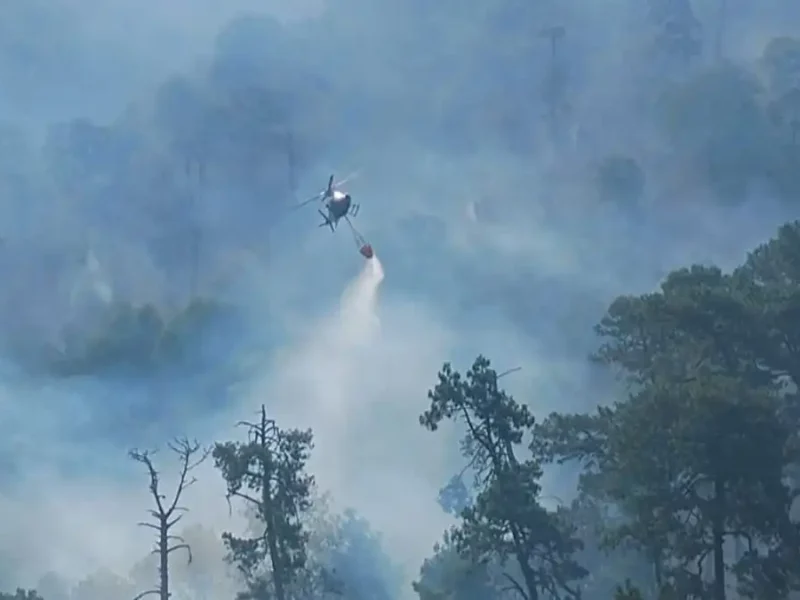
x,y
491,235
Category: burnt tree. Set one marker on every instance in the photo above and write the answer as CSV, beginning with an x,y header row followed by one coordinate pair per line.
x,y
167,513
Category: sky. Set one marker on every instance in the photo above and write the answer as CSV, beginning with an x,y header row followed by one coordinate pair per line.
x,y
481,248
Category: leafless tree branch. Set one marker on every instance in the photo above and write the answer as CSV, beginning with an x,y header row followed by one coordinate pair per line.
x,y
515,585
508,372
145,457
190,455
186,547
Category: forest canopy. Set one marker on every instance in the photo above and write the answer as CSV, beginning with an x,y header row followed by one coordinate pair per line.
x,y
687,481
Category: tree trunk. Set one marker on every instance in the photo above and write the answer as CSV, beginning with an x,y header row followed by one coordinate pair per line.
x,y
163,556
524,566
658,575
520,546
274,554
718,532
269,513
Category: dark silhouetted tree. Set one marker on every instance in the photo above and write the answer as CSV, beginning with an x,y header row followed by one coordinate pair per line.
x,y
697,454
168,512
506,519
449,575
268,474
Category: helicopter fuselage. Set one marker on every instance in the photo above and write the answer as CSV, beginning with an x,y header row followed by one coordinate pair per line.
x,y
338,205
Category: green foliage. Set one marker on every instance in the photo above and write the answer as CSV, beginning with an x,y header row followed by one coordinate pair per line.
x,y
506,519
628,592
354,564
268,475
592,520
770,284
138,338
346,557
447,575
700,450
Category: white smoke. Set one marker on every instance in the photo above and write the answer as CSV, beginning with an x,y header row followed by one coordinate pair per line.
x,y
359,384
358,309
356,380
91,283
321,373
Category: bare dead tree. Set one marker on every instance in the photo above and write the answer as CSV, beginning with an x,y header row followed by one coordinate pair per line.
x,y
168,513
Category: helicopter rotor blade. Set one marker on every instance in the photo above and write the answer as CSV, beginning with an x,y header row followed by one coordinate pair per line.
x,y
352,175
310,200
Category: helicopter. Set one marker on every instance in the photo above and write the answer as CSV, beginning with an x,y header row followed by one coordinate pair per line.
x,y
339,205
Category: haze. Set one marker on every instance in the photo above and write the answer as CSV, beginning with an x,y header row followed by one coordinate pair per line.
x,y
482,206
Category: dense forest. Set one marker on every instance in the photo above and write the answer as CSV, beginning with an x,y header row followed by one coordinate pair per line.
x,y
616,184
